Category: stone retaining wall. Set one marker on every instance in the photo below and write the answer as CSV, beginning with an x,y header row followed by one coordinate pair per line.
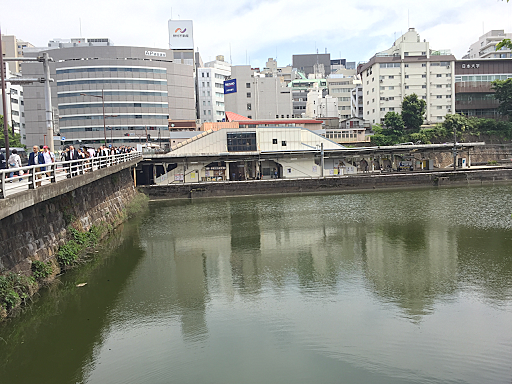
x,y
36,232
330,184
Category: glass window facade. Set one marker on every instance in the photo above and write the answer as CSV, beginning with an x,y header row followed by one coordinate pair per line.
x,y
114,93
118,105
111,69
100,117
242,142
112,81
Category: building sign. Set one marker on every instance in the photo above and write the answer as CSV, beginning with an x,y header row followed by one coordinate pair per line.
x,y
229,86
468,66
154,53
181,34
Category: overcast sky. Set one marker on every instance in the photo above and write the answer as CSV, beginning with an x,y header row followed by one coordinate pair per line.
x,y
256,30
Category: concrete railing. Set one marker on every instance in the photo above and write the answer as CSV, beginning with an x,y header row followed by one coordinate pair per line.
x,y
33,176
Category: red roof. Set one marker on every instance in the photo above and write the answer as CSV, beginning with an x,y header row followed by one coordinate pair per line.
x,y
282,121
231,116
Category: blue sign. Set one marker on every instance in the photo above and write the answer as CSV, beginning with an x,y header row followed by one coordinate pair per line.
x,y
63,138
229,86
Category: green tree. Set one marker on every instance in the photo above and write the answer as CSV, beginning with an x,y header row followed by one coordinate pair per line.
x,y
457,123
14,140
394,124
503,93
507,43
413,110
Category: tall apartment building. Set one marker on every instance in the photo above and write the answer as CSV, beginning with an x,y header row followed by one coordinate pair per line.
x,y
341,85
143,88
485,47
408,67
258,96
210,90
13,47
300,88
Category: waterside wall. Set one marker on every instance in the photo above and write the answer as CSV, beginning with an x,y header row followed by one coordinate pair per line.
x,y
328,184
37,231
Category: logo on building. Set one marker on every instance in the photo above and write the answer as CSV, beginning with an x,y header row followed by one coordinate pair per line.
x,y
229,86
467,66
154,53
180,33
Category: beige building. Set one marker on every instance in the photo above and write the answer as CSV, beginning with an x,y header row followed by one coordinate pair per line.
x,y
258,96
485,47
13,47
408,67
341,85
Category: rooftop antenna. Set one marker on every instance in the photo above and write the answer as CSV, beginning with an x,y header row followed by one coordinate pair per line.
x,y
171,13
80,26
230,59
408,23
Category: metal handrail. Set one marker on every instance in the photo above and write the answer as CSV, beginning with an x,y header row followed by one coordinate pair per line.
x,y
33,177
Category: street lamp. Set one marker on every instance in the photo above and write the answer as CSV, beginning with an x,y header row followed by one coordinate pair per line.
x,y
102,97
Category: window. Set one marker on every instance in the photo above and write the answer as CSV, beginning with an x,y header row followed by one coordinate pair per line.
x,y
448,96
439,75
424,76
439,96
391,109
406,87
248,94
202,74
373,89
203,83
406,76
391,77
391,98
207,74
423,86
249,116
406,53
424,97
439,86
204,103
247,85
373,110
406,65
382,109
283,143
391,88
448,85
423,64
439,107
249,107
423,53
274,141
208,84
240,142
448,75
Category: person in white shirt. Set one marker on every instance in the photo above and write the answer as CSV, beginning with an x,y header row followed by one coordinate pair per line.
x,y
15,162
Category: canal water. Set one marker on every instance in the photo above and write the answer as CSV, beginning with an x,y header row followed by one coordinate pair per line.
x,y
378,287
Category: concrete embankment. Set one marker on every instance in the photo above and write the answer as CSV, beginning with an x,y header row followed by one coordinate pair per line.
x,y
37,222
329,184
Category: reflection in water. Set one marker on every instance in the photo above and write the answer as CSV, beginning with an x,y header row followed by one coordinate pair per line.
x,y
410,286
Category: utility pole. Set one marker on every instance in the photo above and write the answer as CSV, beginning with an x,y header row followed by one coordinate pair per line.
x,y
454,149
322,159
48,100
4,102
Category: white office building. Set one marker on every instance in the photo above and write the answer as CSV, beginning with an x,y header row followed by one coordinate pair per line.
x,y
210,88
408,67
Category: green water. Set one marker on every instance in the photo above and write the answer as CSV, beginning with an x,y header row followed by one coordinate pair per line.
x,y
382,287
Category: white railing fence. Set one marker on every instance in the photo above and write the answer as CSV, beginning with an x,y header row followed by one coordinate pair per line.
x,y
14,180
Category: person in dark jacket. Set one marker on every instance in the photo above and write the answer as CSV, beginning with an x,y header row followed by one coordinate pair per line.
x,y
3,165
34,158
72,155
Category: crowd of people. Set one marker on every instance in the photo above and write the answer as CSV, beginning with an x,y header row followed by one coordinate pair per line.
x,y
41,155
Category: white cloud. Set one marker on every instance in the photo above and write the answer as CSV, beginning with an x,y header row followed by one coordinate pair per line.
x,y
356,30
